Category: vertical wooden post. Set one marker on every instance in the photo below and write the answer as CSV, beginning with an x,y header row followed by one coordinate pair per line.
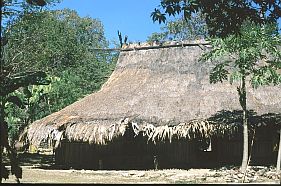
x,y
155,161
100,165
279,157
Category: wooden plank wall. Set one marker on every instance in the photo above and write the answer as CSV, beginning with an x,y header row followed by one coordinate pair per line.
x,y
262,153
127,155
138,154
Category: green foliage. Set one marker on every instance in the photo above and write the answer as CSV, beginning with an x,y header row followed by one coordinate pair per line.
x,y
13,127
62,38
10,82
255,53
158,16
223,17
219,73
37,2
180,29
34,43
14,9
34,104
64,43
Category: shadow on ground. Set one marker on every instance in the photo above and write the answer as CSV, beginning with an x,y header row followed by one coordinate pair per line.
x,y
35,160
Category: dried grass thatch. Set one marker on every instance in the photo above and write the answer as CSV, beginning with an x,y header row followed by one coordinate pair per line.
x,y
96,132
163,93
190,130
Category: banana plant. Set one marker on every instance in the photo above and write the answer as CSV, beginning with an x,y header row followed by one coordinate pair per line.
x,y
9,85
31,98
29,103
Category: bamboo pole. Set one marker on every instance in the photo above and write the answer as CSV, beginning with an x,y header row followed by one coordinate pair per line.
x,y
152,47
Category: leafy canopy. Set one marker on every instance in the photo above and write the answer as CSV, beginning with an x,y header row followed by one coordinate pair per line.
x,y
34,43
63,49
10,82
255,53
223,17
62,39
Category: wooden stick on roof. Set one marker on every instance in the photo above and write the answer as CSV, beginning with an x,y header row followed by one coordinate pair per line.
x,y
128,48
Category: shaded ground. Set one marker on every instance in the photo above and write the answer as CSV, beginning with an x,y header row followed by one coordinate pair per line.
x,y
41,169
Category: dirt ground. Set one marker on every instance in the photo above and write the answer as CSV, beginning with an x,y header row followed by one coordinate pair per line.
x,y
38,169
175,176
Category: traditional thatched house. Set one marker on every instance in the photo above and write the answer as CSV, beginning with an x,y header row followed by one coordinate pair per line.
x,y
158,108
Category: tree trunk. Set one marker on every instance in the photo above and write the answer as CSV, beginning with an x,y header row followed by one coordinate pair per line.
x,y
1,135
1,98
279,154
1,114
243,103
245,143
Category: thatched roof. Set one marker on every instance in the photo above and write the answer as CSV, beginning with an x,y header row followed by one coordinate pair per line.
x,y
165,89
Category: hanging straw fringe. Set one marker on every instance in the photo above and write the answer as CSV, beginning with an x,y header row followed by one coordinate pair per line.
x,y
96,132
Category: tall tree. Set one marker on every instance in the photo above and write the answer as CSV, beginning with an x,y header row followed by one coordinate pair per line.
x,y
57,42
64,49
223,17
253,56
9,82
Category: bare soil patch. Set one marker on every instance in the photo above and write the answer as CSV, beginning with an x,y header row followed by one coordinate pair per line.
x,y
175,176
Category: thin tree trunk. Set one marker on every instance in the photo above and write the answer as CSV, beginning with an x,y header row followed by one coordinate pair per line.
x,y
245,143
279,155
1,136
243,103
1,99
250,155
